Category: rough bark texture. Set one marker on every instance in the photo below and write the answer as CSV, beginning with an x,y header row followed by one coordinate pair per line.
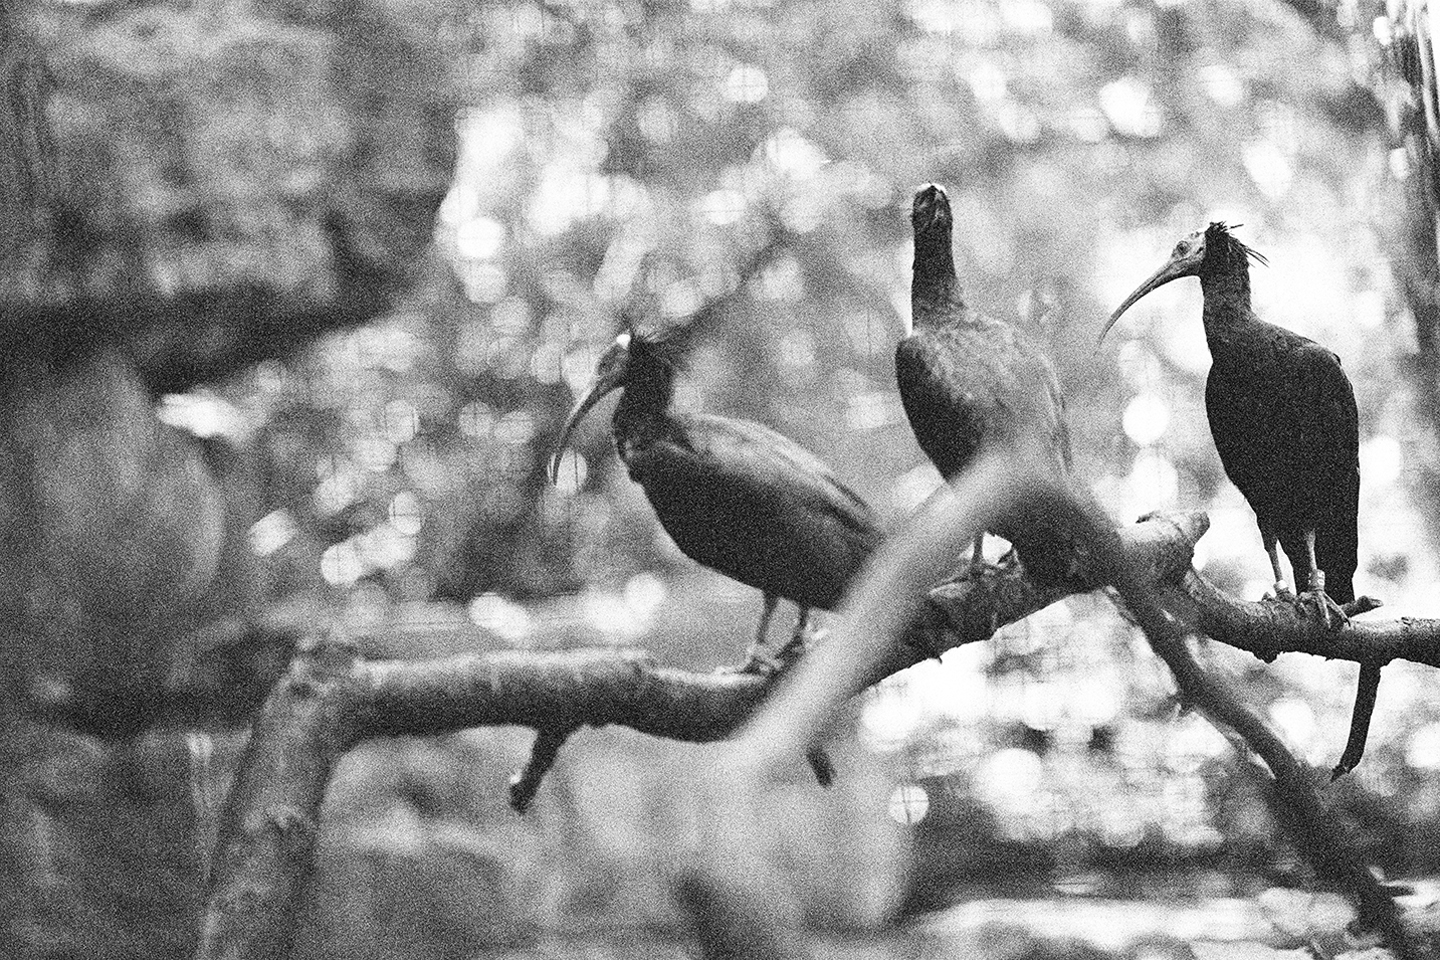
x,y
266,846
799,714
317,713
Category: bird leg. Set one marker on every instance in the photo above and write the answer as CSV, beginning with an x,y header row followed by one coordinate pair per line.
x,y
1282,589
758,658
1315,598
796,644
977,566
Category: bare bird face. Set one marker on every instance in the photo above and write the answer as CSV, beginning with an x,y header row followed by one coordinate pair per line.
x,y
610,375
931,209
1185,261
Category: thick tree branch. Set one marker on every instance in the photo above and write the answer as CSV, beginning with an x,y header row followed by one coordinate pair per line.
x,y
329,702
1270,628
1312,825
267,835
876,614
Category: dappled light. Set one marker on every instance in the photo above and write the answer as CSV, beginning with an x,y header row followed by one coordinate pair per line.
x,y
732,185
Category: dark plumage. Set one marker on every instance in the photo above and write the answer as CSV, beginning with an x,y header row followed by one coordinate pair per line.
x,y
968,381
1283,415
733,495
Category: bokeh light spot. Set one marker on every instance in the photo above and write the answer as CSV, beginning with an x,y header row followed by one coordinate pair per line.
x,y
476,419
508,619
571,473
909,803
1422,751
1221,84
746,84
1269,168
405,513
645,593
1130,108
1154,482
480,238
340,564
338,488
1009,778
790,154
987,82
797,349
1088,124
723,207
515,428
271,532
1381,461
402,421
1295,719
1146,418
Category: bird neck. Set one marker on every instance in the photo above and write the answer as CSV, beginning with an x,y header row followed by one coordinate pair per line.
x,y
933,284
1227,301
645,403
1229,287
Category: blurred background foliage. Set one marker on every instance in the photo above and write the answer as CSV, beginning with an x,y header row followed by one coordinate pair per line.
x,y
638,156
642,156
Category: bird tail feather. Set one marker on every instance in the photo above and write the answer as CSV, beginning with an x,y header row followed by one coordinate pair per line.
x,y
1336,553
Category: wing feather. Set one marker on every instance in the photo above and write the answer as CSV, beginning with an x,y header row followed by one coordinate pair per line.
x,y
755,505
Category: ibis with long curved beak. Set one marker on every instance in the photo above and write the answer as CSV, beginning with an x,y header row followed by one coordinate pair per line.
x,y
735,496
1284,418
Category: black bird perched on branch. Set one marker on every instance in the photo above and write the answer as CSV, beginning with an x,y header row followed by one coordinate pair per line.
x,y
1283,415
734,496
969,381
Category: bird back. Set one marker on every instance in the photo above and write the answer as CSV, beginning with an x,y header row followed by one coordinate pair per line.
x,y
753,504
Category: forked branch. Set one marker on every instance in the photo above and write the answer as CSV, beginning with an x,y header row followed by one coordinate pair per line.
x,y
877,614
331,700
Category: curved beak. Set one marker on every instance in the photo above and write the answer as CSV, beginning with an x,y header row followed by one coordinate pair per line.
x,y
605,382
1176,267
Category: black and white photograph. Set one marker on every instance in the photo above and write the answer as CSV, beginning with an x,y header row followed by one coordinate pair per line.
x,y
719,480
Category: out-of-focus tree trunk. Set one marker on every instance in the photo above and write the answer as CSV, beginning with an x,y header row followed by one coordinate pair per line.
x,y
26,154
1397,39
173,181
1406,85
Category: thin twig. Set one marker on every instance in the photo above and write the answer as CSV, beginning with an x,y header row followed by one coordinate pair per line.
x,y
543,753
821,765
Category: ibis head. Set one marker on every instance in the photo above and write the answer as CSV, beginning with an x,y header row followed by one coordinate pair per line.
x,y
930,213
611,373
1212,250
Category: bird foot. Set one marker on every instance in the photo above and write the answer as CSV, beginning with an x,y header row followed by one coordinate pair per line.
x,y
977,569
758,661
799,642
1318,605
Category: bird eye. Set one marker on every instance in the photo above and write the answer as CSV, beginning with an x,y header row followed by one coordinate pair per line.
x,y
1181,248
